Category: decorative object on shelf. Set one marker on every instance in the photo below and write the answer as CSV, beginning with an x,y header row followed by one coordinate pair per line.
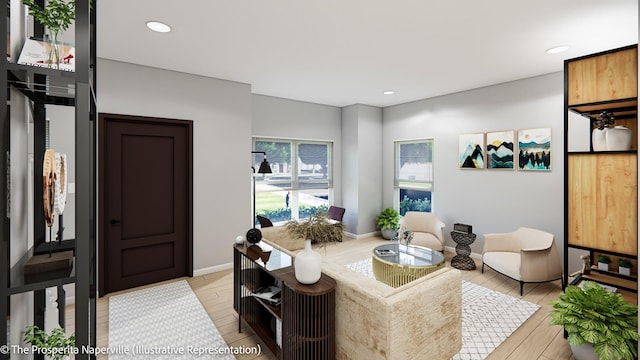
x,y
308,265
624,266
36,53
407,236
618,138
602,124
534,149
48,181
239,239
255,235
586,264
61,183
56,344
317,228
603,262
500,149
388,221
589,313
56,16
471,151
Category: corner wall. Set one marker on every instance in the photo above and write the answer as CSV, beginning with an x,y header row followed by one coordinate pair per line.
x,y
490,200
221,115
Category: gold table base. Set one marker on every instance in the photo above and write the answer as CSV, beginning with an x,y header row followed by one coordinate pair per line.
x,y
396,275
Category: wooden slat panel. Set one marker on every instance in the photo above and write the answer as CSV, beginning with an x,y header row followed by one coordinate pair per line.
x,y
602,208
602,78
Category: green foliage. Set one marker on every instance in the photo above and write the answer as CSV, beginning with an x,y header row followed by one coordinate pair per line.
x,y
56,345
622,262
388,219
284,214
407,204
316,228
604,259
601,318
56,16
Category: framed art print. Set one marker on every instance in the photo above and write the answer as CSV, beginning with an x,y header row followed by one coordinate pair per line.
x,y
534,149
471,151
500,149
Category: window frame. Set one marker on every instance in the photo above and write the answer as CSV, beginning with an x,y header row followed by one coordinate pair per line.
x,y
412,184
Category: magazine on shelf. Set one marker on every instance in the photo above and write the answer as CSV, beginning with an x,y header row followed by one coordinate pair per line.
x,y
271,294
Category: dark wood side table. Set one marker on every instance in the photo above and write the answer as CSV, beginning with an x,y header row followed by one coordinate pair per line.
x,y
462,260
308,319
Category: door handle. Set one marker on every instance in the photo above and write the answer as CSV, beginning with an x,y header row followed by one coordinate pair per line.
x,y
114,222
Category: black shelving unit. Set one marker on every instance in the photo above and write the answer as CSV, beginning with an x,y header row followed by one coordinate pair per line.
x,y
36,84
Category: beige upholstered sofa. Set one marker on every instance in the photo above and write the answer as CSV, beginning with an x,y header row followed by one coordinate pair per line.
x,y
419,320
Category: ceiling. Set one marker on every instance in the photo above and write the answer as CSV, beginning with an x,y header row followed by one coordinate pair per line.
x,y
344,52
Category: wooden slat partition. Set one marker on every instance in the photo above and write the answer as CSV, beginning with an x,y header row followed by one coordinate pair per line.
x,y
602,208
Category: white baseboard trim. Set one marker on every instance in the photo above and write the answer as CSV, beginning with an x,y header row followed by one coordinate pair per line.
x,y
361,236
212,269
473,255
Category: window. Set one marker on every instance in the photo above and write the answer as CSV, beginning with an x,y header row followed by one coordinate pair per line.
x,y
413,175
301,180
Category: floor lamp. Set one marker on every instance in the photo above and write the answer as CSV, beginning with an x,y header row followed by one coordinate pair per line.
x,y
255,235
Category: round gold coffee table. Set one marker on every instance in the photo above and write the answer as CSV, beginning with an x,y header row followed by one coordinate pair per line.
x,y
397,264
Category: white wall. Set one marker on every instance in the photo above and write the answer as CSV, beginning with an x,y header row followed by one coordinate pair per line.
x,y
490,200
221,113
284,118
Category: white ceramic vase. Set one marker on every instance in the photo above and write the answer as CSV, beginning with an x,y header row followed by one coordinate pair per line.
x,y
583,352
308,265
624,270
603,266
618,138
599,140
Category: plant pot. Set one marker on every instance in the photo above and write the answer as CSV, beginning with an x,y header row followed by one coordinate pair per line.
x,y
388,233
307,265
583,352
618,138
603,266
599,140
624,270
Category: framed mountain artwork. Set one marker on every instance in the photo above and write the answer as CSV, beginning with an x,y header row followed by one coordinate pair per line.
x,y
534,149
471,151
500,149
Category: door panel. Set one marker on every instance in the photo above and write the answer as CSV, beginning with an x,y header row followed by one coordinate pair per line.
x,y
146,201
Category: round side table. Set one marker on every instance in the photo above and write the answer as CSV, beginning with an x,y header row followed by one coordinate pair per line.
x,y
462,260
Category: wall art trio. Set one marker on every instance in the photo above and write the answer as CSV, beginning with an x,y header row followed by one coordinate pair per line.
x,y
533,152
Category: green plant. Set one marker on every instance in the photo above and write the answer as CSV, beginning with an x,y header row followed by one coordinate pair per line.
x,y
56,16
56,345
388,219
316,228
622,262
598,317
604,259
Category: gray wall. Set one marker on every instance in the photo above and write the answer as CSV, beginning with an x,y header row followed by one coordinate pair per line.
x,y
490,200
221,113
284,118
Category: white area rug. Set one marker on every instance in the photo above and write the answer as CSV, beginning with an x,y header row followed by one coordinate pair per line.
x,y
163,322
488,316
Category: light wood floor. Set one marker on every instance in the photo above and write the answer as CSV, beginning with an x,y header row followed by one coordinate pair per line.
x,y
535,339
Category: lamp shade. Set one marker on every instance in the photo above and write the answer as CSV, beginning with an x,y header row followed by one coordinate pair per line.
x,y
264,167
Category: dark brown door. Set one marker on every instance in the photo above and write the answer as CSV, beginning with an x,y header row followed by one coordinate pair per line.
x,y
146,201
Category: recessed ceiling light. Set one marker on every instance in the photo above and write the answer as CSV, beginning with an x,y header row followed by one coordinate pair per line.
x,y
158,26
389,92
557,49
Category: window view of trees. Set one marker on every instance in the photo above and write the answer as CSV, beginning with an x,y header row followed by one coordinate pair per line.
x,y
414,175
295,189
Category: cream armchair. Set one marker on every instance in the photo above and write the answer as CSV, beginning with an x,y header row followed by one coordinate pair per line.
x,y
526,255
427,229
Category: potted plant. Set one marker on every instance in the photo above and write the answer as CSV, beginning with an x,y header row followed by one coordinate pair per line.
x,y
56,16
388,221
308,263
624,266
603,262
593,316
56,345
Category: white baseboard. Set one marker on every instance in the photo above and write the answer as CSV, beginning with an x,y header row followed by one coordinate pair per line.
x,y
212,269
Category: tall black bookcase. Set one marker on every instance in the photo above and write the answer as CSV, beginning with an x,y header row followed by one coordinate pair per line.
x,y
39,86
